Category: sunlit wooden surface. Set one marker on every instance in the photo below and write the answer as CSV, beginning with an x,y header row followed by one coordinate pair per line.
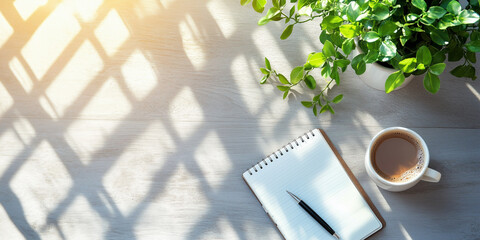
x,y
134,119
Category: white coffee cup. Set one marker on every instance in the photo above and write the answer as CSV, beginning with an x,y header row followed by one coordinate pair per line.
x,y
425,173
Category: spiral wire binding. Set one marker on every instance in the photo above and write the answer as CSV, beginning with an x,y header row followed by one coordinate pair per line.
x,y
285,148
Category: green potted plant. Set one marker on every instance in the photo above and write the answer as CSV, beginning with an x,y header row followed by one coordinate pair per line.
x,y
402,37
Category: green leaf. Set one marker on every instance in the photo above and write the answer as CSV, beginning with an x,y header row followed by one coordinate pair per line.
x,y
436,12
420,66
424,56
324,36
388,50
454,7
473,46
468,17
358,64
275,3
412,17
471,56
307,66
431,82
393,81
420,4
259,5
283,79
371,36
264,71
331,22
267,64
334,75
338,98
292,11
285,94
438,57
283,88
272,13
427,20
296,75
310,82
387,28
349,30
447,21
353,11
244,2
475,36
324,108
371,56
455,54
440,37
337,39
262,21
438,68
342,62
464,71
408,65
286,33
315,112
380,11
317,59
301,3
328,49
348,46
264,79
330,109
326,71
307,104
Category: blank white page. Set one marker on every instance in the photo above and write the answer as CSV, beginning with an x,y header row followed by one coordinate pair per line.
x,y
313,173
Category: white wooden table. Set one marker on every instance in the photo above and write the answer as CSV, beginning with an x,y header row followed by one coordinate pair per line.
x,y
135,120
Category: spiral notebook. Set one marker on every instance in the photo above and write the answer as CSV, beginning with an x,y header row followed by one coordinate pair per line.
x,y
312,169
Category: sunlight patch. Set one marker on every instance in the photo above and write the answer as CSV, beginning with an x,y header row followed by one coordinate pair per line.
x,y
135,172
87,137
42,50
139,75
79,216
86,10
41,183
22,76
108,102
10,147
47,106
112,33
193,45
70,84
27,7
247,83
186,201
213,160
5,29
474,92
185,106
223,17
145,8
7,100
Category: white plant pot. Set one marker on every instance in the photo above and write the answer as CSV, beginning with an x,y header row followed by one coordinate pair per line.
x,y
375,75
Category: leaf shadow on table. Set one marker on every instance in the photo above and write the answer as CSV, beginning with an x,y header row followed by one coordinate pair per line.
x,y
172,43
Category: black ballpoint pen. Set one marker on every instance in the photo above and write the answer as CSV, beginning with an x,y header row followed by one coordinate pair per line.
x,y
313,214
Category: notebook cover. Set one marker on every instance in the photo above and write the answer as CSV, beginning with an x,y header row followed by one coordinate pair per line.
x,y
352,178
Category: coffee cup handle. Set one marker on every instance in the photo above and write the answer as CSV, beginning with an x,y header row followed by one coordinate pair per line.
x,y
431,175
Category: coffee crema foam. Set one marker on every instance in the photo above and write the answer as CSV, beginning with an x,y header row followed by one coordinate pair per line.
x,y
411,172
